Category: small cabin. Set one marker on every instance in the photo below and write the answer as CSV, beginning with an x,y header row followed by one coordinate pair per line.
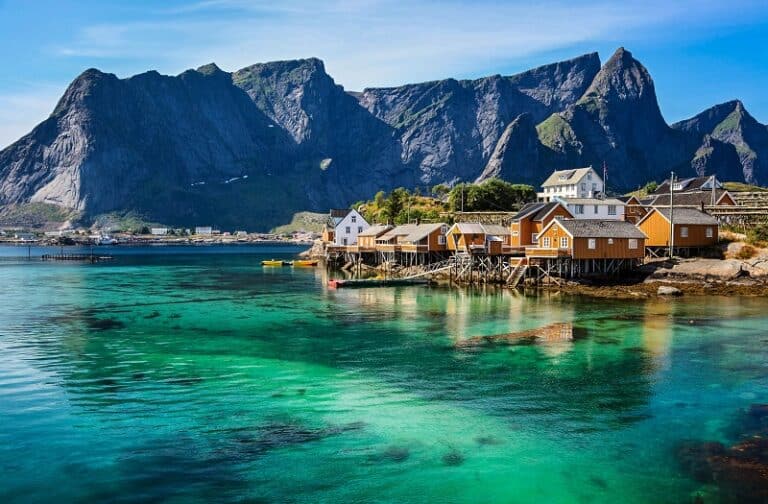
x,y
531,219
693,228
476,238
633,209
425,238
585,239
367,239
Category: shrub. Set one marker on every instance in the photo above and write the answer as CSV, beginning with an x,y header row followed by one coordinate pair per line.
x,y
746,252
758,234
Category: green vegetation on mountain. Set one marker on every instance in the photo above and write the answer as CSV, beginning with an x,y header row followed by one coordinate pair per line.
x,y
493,195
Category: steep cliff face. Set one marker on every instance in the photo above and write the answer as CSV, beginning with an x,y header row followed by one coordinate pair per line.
x,y
731,124
516,155
448,129
618,122
250,148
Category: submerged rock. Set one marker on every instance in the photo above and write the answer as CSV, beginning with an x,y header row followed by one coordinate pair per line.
x,y
668,290
453,458
558,332
391,454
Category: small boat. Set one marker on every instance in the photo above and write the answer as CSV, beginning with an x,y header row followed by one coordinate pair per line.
x,y
275,262
304,262
377,282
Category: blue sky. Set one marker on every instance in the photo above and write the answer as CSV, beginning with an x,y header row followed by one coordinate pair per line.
x,y
699,52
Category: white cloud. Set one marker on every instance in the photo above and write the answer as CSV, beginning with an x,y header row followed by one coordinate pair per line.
x,y
376,42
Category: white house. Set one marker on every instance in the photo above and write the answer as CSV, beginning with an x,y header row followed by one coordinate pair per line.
x,y
595,208
204,230
578,183
159,231
347,227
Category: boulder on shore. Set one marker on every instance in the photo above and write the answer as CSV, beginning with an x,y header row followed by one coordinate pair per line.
x,y
668,290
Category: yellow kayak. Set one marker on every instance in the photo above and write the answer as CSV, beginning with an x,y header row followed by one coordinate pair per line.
x,y
274,262
304,262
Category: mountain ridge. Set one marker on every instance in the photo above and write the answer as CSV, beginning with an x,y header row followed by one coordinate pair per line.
x,y
251,147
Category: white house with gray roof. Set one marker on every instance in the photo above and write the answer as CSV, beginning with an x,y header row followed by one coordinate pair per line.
x,y
576,183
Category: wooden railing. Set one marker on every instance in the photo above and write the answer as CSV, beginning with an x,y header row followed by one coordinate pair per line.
x,y
546,252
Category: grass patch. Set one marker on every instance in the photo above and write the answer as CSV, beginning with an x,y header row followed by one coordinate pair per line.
x,y
303,221
746,252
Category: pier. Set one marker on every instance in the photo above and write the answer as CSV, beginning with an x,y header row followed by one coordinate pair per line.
x,y
90,258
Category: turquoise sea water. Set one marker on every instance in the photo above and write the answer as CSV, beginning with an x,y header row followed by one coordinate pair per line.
x,y
196,375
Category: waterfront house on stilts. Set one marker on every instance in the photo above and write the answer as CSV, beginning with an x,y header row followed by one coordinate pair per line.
x,y
695,232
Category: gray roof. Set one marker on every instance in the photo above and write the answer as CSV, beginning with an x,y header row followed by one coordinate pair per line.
x,y
536,211
693,198
375,230
561,177
421,231
396,231
487,229
689,216
596,228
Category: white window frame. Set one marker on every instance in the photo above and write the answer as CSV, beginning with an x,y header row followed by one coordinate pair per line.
x,y
441,239
359,229
354,219
347,229
534,238
564,242
610,241
545,242
611,209
515,233
632,243
591,243
579,209
344,241
710,232
683,231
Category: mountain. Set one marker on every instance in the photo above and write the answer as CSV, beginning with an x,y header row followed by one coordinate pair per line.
x,y
449,128
731,124
250,148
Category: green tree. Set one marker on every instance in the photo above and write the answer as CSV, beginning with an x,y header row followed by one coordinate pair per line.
x,y
440,190
493,195
650,187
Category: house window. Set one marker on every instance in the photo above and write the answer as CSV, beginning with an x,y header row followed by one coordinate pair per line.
x,y
579,209
589,176
444,229
359,229
515,233
592,244
546,242
710,232
684,232
594,187
611,209
583,187
677,186
633,243
563,242
344,241
354,219
347,230
595,208
441,239
610,241
534,237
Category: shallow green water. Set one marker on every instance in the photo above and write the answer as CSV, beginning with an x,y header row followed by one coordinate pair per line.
x,y
192,377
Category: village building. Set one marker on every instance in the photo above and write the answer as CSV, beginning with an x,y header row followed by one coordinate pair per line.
x,y
367,239
343,227
578,247
425,238
694,230
204,230
595,208
476,238
531,219
634,210
158,231
577,183
691,192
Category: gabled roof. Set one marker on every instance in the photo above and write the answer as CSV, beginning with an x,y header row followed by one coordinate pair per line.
x,y
561,177
687,216
402,230
485,229
536,211
597,228
627,199
375,230
692,198
339,212
421,231
689,184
